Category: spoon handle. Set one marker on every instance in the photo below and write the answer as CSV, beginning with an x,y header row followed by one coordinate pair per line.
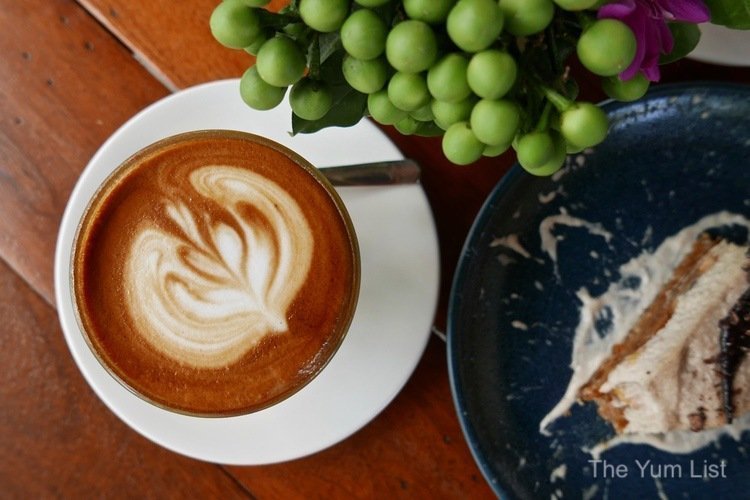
x,y
380,173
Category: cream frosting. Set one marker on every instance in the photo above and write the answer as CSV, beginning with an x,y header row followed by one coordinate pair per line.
x,y
674,374
624,303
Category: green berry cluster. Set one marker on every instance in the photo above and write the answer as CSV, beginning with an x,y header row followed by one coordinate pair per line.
x,y
486,75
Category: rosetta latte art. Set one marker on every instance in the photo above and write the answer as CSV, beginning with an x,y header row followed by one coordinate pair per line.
x,y
208,292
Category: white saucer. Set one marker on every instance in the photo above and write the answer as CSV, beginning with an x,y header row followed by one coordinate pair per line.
x,y
400,268
720,45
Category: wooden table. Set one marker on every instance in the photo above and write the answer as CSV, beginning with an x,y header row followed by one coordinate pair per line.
x,y
71,73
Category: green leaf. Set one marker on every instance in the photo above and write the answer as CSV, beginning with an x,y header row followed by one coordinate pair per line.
x,y
292,7
731,13
313,58
276,21
429,129
686,37
330,70
329,44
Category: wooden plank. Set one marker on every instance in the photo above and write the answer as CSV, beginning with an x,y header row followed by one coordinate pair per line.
x,y
67,85
59,440
173,39
414,449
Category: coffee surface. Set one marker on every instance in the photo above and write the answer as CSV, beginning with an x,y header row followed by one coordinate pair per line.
x,y
213,275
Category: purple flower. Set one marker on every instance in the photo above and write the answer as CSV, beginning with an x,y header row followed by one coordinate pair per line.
x,y
648,20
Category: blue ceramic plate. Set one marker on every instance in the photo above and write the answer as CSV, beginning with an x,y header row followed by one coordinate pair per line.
x,y
679,154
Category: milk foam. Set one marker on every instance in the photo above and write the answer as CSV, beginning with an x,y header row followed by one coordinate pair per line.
x,y
207,292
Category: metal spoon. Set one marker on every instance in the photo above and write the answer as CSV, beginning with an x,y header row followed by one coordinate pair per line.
x,y
379,173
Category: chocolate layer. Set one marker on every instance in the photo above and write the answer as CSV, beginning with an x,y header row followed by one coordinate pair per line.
x,y
734,342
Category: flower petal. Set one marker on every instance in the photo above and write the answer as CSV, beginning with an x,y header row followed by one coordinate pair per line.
x,y
654,41
617,10
638,22
666,40
652,73
692,11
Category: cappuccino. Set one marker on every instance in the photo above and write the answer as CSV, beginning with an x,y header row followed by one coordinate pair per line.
x,y
215,273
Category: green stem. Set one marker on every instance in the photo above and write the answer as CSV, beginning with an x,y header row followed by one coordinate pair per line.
x,y
554,54
543,123
558,100
314,59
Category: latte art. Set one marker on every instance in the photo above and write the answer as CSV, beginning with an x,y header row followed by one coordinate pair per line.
x,y
206,293
215,273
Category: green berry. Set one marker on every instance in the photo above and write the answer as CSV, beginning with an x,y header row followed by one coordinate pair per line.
x,y
411,46
258,94
556,160
365,76
234,24
626,90
382,109
310,99
495,122
254,47
423,114
280,61
460,145
584,124
429,11
325,16
494,151
408,91
446,79
535,149
607,47
363,34
407,125
448,113
474,24
491,73
527,17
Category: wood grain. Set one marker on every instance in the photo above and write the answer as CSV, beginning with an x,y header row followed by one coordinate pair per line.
x,y
58,439
414,449
67,83
66,86
172,39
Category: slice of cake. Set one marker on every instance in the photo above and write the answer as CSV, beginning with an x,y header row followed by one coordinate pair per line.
x,y
682,366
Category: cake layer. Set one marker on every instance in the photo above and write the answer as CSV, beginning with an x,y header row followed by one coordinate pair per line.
x,y
665,375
